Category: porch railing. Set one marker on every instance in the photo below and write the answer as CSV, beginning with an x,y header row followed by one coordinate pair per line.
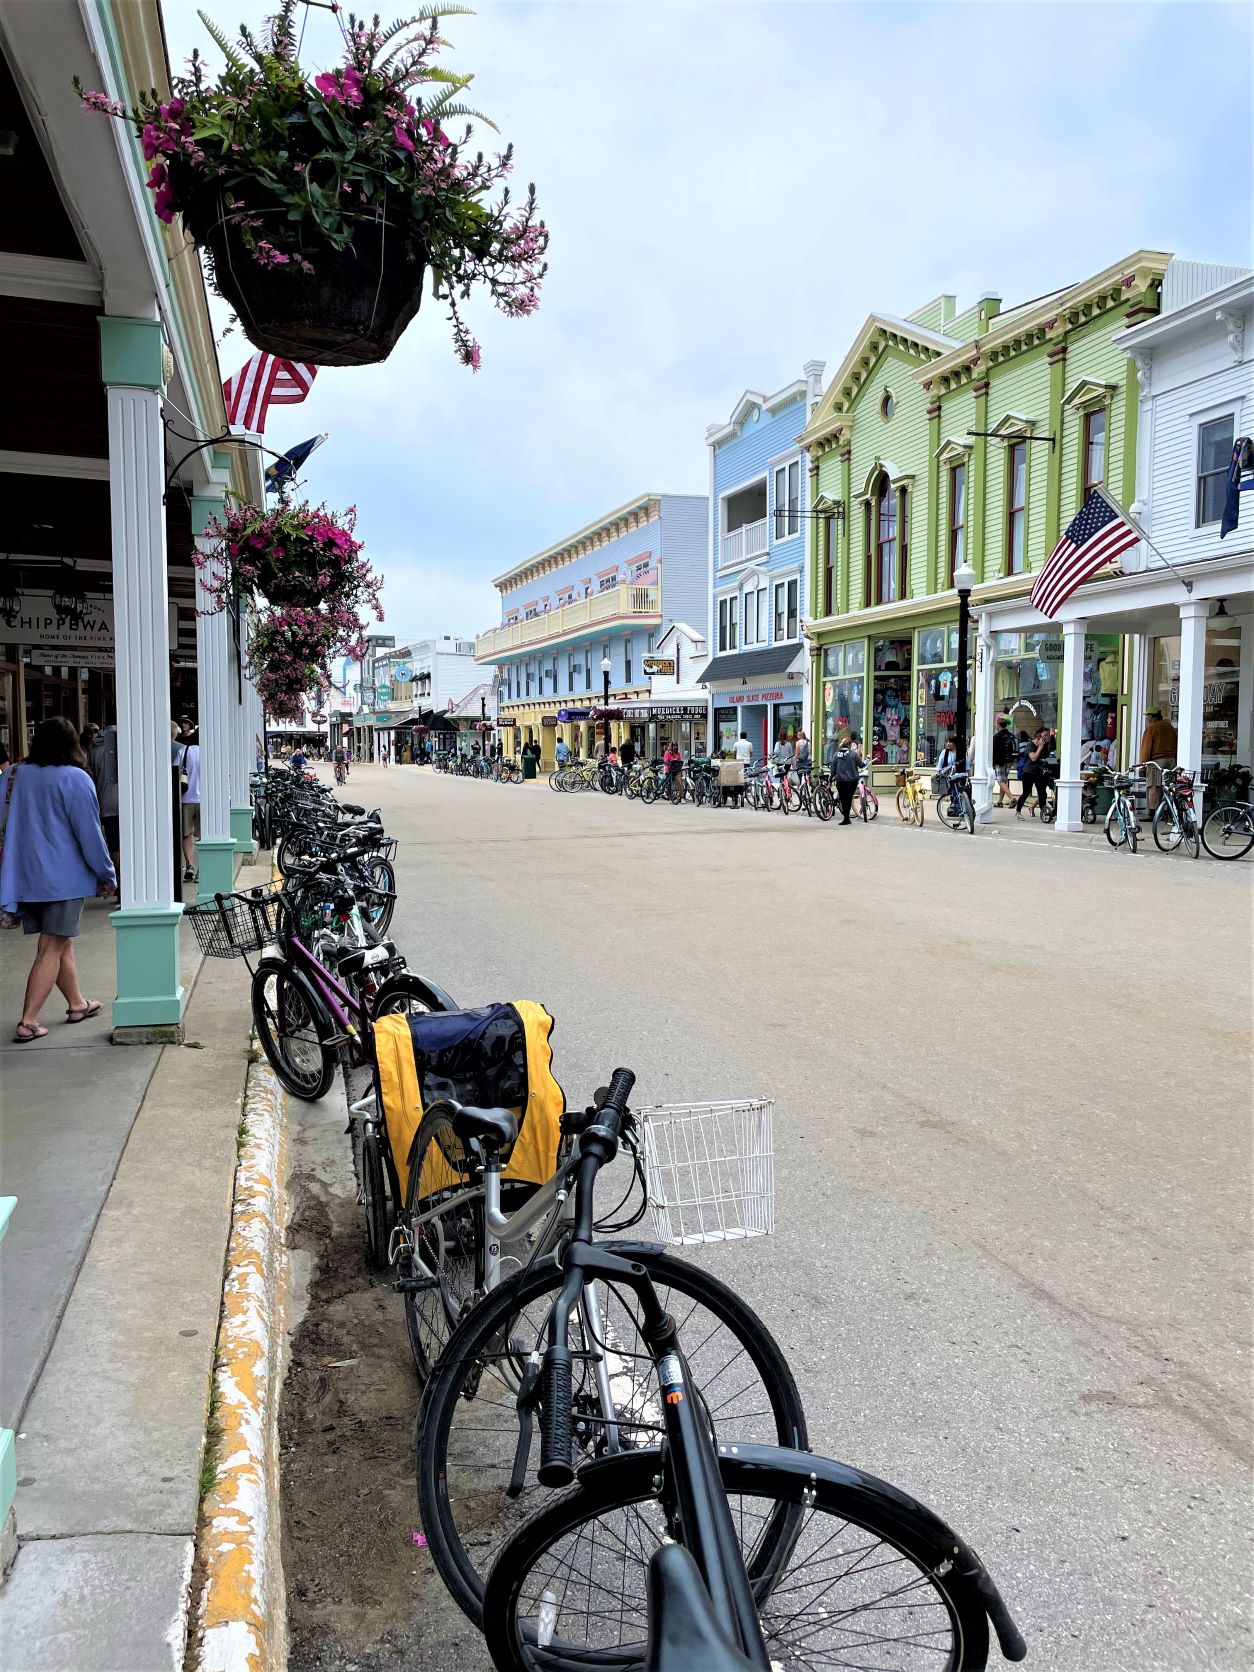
x,y
742,544
616,603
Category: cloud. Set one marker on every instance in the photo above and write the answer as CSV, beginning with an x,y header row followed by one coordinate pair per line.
x,y
731,189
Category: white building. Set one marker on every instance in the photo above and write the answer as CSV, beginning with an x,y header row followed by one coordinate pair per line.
x,y
1186,600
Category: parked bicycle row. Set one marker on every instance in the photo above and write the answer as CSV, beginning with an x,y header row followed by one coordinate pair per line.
x,y
612,1454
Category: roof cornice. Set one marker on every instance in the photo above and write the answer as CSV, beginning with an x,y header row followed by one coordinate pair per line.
x,y
634,514
1016,331
753,399
832,418
1239,293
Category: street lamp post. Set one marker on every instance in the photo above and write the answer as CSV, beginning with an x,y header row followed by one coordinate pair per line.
x,y
605,702
964,580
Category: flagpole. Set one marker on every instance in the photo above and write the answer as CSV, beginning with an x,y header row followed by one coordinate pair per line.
x,y
1133,523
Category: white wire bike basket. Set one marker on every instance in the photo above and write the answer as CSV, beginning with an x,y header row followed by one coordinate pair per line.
x,y
710,1170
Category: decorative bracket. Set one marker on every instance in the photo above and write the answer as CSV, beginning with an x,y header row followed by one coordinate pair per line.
x,y
1234,325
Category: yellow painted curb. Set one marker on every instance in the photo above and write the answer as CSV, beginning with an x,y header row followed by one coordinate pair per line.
x,y
242,1619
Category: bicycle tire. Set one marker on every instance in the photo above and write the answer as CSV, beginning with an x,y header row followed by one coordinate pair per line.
x,y
1237,820
378,911
951,812
451,1245
824,803
648,791
296,997
854,1591
1165,814
1191,837
905,807
870,806
373,1190
448,1499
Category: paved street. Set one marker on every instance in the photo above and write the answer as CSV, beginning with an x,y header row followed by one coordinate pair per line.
x,y
1013,1097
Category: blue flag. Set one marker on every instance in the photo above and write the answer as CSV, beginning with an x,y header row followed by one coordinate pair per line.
x,y
1240,480
283,470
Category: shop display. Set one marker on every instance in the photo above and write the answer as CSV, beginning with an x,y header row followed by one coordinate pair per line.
x,y
890,702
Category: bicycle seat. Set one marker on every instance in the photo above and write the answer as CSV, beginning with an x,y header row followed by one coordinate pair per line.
x,y
491,1129
367,957
683,1630
351,807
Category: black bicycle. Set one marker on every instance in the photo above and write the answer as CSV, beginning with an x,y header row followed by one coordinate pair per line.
x,y
710,1555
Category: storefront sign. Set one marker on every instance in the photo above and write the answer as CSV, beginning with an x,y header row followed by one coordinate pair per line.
x,y
566,715
548,719
35,621
63,655
750,696
507,720
383,693
665,711
659,665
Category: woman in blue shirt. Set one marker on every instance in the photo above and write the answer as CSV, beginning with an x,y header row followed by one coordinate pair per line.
x,y
54,856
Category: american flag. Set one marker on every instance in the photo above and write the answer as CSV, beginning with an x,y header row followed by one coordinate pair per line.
x,y
1095,537
264,382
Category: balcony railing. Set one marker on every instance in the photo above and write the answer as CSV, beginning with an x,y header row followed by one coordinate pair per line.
x,y
619,602
747,541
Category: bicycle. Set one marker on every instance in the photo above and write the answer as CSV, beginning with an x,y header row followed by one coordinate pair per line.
x,y
1228,831
475,1425
1174,824
815,799
954,806
911,804
866,804
646,1562
1121,826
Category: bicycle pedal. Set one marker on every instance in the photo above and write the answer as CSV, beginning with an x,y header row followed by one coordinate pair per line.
x,y
415,1285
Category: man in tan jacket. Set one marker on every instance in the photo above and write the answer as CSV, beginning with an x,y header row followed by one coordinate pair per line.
x,y
1158,749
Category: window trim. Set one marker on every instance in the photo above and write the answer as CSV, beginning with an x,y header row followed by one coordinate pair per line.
x,y
954,528
1013,510
782,582
784,466
882,486
1102,410
1212,415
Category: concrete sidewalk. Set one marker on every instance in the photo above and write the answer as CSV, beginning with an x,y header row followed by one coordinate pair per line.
x,y
122,1159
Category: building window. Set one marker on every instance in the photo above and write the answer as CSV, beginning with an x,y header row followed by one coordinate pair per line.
x,y
627,660
528,678
1017,508
608,582
749,615
572,675
886,527
554,673
1094,450
957,517
788,500
888,405
786,593
829,571
587,669
727,623
649,643
1214,455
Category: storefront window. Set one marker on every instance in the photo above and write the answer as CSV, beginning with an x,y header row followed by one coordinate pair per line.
x,y
1220,690
936,687
1027,677
726,729
788,721
890,702
844,689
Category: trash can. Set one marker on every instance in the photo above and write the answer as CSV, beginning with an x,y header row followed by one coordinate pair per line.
x,y
529,768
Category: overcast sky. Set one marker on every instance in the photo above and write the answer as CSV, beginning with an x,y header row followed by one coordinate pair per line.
x,y
731,189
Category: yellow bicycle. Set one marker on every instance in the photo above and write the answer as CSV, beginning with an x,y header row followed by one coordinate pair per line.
x,y
911,802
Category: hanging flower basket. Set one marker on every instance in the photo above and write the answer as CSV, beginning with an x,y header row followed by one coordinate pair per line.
x,y
319,312
290,555
320,201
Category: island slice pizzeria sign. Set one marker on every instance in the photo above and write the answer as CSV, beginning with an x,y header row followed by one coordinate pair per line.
x,y
733,697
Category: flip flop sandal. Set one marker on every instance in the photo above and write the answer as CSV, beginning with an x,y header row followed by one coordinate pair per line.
x,y
92,1008
26,1033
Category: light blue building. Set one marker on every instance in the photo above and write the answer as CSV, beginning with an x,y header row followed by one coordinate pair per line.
x,y
608,592
758,674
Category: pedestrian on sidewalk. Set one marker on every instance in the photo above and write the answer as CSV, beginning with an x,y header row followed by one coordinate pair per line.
x,y
1159,744
52,855
1003,755
102,763
743,750
189,763
802,758
1033,772
846,765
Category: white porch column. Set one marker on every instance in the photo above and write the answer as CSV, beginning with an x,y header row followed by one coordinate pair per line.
x,y
240,753
150,997
985,716
1193,614
1072,722
216,848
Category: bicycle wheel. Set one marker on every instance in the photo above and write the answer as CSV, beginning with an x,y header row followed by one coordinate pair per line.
x,y
1228,832
442,1268
468,1423
378,909
1168,827
950,811
861,1576
302,845
870,805
648,790
294,1029
407,994
372,1193
824,802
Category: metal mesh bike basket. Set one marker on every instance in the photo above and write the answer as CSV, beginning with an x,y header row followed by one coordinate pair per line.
x,y
230,925
710,1170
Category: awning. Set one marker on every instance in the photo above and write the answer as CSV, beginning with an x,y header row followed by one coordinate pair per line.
x,y
754,664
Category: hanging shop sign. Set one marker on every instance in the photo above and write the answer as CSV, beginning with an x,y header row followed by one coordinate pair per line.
x,y
383,693
508,720
548,719
659,665
566,715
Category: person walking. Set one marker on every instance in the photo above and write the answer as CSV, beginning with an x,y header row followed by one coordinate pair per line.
x,y
743,751
847,763
627,754
1159,746
802,758
189,763
102,763
1003,755
52,856
1032,772
384,753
